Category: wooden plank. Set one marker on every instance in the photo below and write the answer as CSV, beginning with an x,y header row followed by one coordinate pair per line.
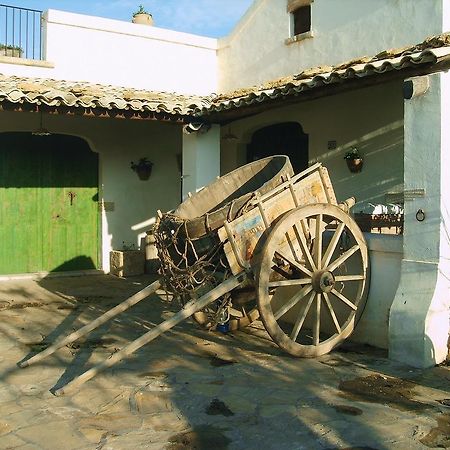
x,y
105,317
249,228
188,310
328,187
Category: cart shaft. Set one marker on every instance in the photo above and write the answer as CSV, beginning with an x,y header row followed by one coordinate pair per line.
x,y
187,311
108,315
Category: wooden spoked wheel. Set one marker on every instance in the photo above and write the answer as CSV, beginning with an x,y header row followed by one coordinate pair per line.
x,y
312,279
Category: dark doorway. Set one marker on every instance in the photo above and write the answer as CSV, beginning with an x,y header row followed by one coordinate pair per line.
x,y
281,139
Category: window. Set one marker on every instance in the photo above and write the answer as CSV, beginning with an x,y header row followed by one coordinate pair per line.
x,y
300,17
302,20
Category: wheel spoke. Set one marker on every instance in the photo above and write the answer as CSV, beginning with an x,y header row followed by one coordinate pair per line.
x,y
294,264
344,299
318,242
305,228
311,277
331,311
349,277
292,302
301,318
293,282
304,247
316,331
341,260
292,247
333,243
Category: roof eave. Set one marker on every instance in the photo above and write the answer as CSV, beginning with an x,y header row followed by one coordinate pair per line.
x,y
430,61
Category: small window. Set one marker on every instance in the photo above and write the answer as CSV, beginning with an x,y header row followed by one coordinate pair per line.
x,y
301,20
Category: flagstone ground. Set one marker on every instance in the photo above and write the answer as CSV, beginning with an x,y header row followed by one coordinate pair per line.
x,y
194,389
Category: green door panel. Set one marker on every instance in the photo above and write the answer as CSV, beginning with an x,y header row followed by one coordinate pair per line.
x,y
48,204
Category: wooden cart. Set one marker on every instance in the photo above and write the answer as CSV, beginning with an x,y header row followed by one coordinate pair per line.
x,y
257,242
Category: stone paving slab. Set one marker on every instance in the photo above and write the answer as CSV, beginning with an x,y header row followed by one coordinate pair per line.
x,y
193,389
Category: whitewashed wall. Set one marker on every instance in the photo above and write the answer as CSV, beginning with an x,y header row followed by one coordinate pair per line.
x,y
369,119
385,256
98,50
119,142
256,50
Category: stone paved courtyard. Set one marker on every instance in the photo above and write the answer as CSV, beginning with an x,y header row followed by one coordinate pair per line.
x,y
193,389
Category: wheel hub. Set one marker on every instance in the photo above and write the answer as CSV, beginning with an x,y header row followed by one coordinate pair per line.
x,y
323,281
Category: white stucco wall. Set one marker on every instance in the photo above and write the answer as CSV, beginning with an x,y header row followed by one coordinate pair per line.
x,y
98,50
201,159
446,16
119,142
256,50
385,256
369,119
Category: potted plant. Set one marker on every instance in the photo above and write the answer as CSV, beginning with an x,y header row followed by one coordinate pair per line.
x,y
354,160
10,50
142,17
143,168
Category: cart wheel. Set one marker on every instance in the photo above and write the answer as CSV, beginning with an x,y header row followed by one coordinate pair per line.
x,y
322,258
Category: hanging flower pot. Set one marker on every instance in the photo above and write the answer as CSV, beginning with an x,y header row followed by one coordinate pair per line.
x,y
143,168
355,165
354,161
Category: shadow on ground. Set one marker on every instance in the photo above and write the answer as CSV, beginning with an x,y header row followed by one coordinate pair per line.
x,y
194,389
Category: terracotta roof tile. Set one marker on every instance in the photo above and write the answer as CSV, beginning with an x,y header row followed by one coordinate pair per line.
x,y
86,95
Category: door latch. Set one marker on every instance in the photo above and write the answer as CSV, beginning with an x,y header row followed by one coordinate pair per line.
x,y
71,196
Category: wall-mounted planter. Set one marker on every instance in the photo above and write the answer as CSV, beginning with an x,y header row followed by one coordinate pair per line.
x,y
355,165
143,168
143,19
14,52
144,173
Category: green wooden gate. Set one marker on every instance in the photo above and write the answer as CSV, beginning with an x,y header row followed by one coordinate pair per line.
x,y
48,204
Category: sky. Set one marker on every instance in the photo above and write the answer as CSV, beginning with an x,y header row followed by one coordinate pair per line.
x,y
212,18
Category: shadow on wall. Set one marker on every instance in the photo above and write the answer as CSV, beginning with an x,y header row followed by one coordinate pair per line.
x,y
382,151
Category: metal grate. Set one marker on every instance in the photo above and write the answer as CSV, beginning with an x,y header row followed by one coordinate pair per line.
x,y
20,32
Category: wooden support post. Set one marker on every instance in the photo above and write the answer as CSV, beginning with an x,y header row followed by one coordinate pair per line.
x,y
187,311
128,303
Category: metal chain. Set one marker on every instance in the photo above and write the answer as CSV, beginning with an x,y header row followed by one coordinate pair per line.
x,y
188,265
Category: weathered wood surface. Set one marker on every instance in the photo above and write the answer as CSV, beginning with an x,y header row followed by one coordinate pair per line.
x,y
248,229
327,278
223,199
108,315
188,310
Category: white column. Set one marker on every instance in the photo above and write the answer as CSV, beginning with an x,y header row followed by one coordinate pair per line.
x,y
201,159
419,317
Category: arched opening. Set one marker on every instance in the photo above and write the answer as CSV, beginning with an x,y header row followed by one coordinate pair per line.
x,y
280,139
48,203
